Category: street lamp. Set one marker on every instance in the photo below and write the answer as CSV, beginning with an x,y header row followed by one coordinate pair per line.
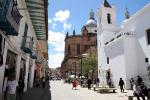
x,y
75,68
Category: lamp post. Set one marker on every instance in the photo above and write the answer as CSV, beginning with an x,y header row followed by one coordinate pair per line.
x,y
75,68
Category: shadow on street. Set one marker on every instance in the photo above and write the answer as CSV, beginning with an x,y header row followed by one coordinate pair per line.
x,y
38,93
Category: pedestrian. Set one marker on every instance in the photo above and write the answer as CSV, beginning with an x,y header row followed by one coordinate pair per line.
x,y
109,83
97,82
89,82
144,90
121,84
37,83
20,89
131,83
74,84
148,96
43,82
137,91
139,80
81,81
12,86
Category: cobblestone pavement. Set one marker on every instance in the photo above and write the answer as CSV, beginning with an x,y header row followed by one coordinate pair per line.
x,y
61,91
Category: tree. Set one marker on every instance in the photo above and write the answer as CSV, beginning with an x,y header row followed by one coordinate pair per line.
x,y
90,63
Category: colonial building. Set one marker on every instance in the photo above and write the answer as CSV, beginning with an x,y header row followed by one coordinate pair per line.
x,y
21,29
123,51
76,45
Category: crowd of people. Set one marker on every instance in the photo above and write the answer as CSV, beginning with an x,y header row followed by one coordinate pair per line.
x,y
139,88
137,85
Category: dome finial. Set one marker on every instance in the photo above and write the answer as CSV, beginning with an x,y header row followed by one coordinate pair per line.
x,y
91,14
106,4
127,14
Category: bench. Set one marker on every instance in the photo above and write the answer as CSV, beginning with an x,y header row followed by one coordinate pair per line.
x,y
130,97
106,90
98,87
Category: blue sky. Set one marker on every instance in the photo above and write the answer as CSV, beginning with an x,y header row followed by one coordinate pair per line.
x,y
67,15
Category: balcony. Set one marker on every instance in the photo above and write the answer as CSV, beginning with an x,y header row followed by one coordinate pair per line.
x,y
38,60
34,54
9,17
27,45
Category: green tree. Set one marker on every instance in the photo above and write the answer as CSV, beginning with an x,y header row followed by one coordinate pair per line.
x,y
90,63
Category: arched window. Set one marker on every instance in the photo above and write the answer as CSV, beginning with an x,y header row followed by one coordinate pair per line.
x,y
68,49
78,48
109,18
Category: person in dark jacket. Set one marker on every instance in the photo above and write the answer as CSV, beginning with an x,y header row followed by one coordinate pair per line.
x,y
20,89
139,80
121,84
89,82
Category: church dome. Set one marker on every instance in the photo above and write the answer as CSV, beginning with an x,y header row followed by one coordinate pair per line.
x,y
91,22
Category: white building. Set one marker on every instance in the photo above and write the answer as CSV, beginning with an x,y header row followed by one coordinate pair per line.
x,y
18,40
123,51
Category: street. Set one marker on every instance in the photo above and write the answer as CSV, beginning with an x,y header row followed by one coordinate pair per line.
x,y
61,91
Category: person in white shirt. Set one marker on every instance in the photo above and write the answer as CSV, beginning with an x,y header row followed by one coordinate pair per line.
x,y
137,91
12,86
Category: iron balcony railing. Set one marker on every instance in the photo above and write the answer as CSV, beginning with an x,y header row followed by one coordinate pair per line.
x,y
33,55
27,44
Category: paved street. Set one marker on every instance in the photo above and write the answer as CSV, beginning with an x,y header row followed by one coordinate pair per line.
x,y
38,94
61,91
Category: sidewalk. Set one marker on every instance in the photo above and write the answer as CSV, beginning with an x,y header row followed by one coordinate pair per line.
x,y
38,93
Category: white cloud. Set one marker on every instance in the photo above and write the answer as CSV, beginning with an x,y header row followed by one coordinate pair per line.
x,y
50,21
67,26
56,39
55,60
54,25
61,15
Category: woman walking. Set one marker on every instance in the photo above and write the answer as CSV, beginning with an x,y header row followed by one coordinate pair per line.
x,y
74,84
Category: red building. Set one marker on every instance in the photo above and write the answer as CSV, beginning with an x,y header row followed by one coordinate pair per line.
x,y
76,45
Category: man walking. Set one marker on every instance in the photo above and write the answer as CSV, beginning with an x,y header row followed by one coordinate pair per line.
x,y
121,84
89,82
12,85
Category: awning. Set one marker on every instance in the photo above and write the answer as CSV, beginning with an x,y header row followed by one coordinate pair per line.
x,y
38,10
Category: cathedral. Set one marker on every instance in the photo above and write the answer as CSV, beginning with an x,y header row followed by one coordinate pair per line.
x,y
78,44
123,51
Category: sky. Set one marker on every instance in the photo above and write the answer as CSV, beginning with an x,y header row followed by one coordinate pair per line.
x,y
67,15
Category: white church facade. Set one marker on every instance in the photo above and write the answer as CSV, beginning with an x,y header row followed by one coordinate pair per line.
x,y
123,51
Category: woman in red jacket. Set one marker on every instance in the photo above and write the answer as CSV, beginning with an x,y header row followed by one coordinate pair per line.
x,y
74,84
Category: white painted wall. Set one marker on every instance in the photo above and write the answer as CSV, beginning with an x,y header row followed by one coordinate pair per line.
x,y
139,23
130,59
127,54
32,74
115,52
13,43
2,69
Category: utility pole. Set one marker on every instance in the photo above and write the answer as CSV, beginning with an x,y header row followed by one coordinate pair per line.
x,y
75,68
81,66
